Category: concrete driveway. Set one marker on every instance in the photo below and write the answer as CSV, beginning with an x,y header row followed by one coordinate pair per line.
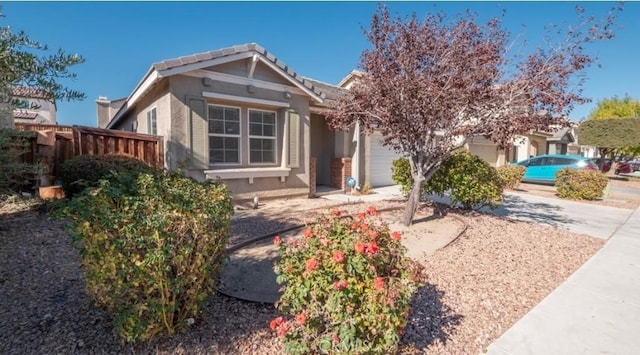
x,y
578,217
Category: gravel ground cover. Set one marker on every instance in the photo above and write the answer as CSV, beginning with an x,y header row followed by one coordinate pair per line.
x,y
478,287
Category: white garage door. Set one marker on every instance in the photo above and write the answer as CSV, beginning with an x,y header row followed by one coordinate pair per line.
x,y
487,152
380,159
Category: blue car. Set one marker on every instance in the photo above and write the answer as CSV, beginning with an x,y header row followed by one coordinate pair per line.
x,y
543,168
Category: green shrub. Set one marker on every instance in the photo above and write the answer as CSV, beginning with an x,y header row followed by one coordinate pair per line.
x,y
580,184
401,175
85,171
511,175
471,181
347,287
152,247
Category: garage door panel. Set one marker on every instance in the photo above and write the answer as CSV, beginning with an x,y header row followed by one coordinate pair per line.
x,y
381,159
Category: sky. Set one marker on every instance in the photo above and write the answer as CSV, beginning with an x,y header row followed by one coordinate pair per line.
x,y
320,40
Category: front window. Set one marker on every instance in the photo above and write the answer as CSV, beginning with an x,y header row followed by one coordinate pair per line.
x,y
224,135
262,137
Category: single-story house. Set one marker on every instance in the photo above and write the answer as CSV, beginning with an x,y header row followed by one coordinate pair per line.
x,y
33,106
242,115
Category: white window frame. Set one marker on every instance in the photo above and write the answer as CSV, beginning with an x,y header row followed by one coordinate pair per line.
x,y
223,135
274,138
149,121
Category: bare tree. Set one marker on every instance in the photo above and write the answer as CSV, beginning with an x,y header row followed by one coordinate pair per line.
x,y
430,86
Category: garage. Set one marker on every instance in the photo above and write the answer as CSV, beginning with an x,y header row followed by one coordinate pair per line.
x,y
381,159
487,152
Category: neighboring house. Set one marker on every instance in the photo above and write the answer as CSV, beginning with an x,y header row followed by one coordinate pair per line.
x,y
33,106
241,115
559,142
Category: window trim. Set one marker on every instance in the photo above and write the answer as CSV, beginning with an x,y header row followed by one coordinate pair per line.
x,y
239,135
274,138
149,129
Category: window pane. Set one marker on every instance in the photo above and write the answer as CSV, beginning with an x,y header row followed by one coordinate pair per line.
x,y
231,114
269,131
255,116
216,143
255,144
269,118
232,127
216,126
267,157
231,143
267,144
216,156
256,156
215,113
255,129
231,156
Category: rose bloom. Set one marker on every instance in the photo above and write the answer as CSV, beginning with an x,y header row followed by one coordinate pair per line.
x,y
396,236
360,247
301,318
336,213
311,264
372,211
283,329
371,248
362,216
336,339
277,240
340,285
378,283
308,233
275,323
373,234
338,256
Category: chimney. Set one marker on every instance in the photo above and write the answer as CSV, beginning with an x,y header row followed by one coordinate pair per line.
x,y
104,115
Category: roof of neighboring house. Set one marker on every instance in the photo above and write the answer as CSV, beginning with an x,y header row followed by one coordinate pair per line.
x,y
32,93
557,135
351,76
331,91
25,115
201,60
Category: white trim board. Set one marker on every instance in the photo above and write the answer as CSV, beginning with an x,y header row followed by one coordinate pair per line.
x,y
250,100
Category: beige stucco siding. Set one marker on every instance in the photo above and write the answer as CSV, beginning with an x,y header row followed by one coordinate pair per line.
x,y
241,68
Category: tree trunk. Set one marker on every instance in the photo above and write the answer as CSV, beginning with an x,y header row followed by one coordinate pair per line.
x,y
414,200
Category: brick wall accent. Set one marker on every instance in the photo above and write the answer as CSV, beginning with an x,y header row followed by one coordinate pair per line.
x,y
312,177
340,171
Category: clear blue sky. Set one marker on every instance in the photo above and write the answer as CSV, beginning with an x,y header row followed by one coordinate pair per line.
x,y
321,40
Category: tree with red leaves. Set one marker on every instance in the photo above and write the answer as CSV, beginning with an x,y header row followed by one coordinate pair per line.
x,y
430,86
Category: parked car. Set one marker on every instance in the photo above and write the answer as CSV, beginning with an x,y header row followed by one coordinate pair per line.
x,y
623,168
543,168
604,164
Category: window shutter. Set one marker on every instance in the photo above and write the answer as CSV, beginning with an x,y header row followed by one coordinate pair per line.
x,y
294,139
199,132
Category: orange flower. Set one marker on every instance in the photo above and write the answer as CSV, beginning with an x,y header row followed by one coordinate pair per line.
x,y
283,329
340,285
364,227
308,233
362,216
372,211
338,256
371,248
277,240
373,234
301,318
378,283
355,225
360,247
275,323
336,213
311,264
396,236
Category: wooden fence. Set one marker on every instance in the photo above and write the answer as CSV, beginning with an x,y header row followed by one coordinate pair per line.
x,y
56,144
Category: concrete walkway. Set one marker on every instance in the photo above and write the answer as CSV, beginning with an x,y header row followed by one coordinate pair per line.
x,y
595,311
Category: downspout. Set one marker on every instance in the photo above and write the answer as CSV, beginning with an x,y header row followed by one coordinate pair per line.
x,y
356,166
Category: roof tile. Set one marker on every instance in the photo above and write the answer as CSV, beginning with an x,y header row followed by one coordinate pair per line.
x,y
189,59
172,63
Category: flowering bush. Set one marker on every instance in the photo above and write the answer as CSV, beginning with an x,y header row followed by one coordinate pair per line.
x,y
347,286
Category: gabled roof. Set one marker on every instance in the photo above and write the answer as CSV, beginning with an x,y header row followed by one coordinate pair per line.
x,y
331,91
25,115
197,61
